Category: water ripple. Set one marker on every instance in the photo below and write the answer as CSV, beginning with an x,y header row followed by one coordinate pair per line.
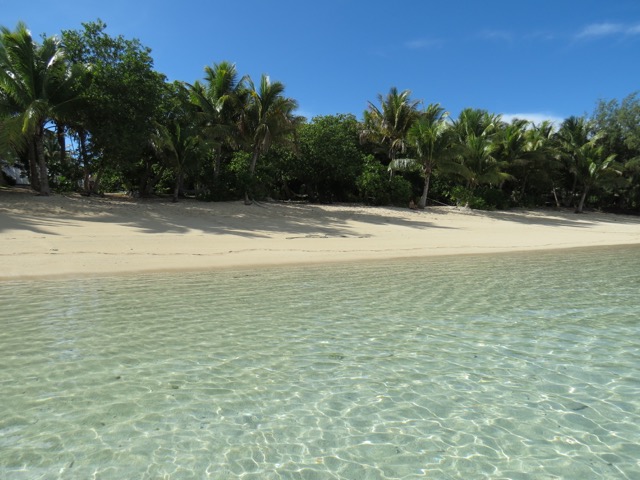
x,y
501,367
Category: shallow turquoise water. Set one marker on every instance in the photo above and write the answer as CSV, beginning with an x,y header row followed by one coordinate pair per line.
x,y
516,366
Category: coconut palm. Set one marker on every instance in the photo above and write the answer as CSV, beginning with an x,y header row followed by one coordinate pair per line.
x,y
476,122
596,164
176,140
573,134
479,163
267,117
585,156
529,152
389,125
219,100
178,143
477,149
430,138
37,86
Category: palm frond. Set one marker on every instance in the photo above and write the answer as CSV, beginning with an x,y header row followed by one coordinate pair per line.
x,y
404,165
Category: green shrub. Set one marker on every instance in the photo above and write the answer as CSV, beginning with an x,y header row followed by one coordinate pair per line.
x,y
401,191
373,182
494,198
464,197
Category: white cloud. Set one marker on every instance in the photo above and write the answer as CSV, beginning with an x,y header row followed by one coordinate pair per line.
x,y
540,35
606,29
422,43
535,117
497,35
634,30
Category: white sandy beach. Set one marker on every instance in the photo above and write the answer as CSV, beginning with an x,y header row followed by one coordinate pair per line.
x,y
72,235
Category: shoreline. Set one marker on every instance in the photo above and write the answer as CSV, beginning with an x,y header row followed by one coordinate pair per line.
x,y
241,267
76,236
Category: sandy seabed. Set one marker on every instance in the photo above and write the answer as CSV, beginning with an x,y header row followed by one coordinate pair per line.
x,y
73,235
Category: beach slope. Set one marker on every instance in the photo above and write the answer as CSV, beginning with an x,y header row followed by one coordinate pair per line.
x,y
72,235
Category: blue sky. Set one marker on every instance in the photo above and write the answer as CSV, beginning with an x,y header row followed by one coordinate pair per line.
x,y
537,58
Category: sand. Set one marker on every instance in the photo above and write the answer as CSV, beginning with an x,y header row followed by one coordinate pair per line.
x,y
72,235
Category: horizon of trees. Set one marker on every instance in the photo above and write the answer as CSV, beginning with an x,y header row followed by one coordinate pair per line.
x,y
87,111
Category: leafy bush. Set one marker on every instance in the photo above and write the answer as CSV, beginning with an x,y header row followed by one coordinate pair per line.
x,y
376,188
494,198
373,182
239,179
483,198
401,191
462,196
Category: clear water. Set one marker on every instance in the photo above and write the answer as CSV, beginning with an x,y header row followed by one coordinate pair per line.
x,y
507,366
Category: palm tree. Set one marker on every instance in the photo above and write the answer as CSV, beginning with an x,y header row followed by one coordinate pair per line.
x,y
178,143
389,125
219,101
476,122
525,149
430,138
595,165
479,163
37,86
268,117
573,134
584,155
539,161
476,149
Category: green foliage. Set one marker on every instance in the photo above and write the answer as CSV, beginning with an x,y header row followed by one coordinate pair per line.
x,y
376,187
267,117
330,158
241,178
226,137
477,149
618,125
494,198
176,141
218,103
461,196
373,183
37,86
586,159
387,126
400,191
125,96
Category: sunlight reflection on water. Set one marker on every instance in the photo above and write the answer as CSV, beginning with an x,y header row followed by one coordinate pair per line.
x,y
502,366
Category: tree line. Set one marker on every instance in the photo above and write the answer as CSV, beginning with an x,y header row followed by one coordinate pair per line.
x,y
87,111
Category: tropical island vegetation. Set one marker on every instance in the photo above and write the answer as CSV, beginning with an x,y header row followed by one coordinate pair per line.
x,y
87,111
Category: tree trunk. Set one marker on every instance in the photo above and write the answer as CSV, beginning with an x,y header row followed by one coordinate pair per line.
x,y
176,190
254,161
524,186
569,201
217,165
149,181
555,196
96,184
252,171
88,182
62,143
34,177
42,164
582,199
425,191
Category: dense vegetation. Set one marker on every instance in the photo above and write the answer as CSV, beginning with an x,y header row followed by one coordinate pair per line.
x,y
87,111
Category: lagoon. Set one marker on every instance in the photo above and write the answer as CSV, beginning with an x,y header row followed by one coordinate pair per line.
x,y
507,366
